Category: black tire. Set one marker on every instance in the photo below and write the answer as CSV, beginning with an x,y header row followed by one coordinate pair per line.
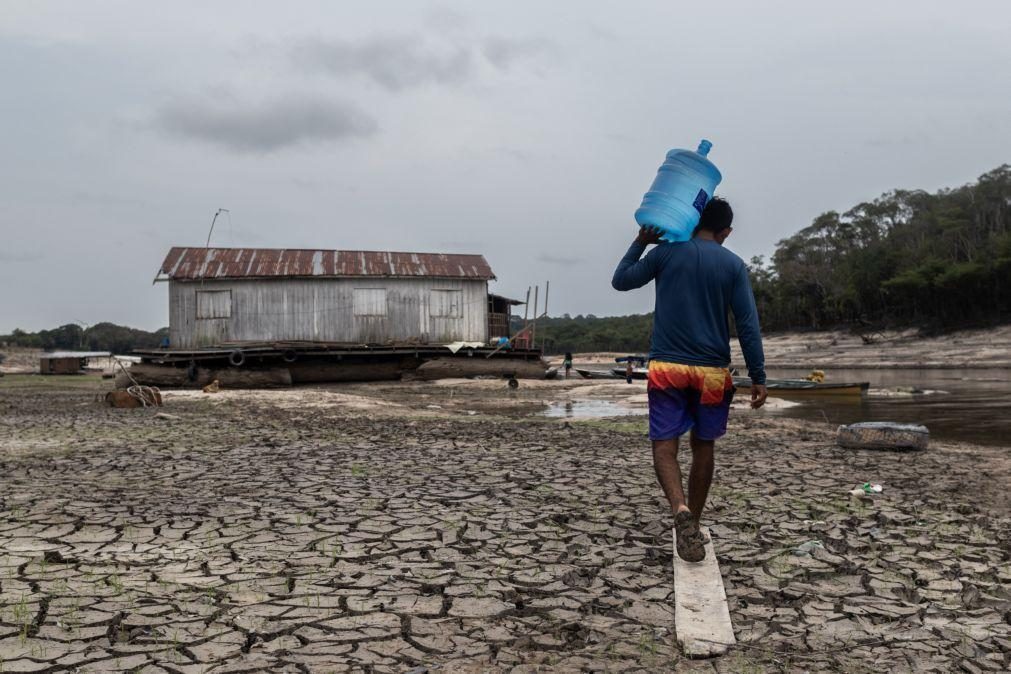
x,y
289,356
514,383
237,358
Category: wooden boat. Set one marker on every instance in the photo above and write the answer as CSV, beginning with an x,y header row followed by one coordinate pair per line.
x,y
597,374
637,373
778,387
803,387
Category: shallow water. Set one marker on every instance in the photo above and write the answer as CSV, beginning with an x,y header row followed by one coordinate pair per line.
x,y
970,405
591,409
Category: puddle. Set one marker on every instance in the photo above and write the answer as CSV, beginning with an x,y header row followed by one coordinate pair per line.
x,y
590,409
903,392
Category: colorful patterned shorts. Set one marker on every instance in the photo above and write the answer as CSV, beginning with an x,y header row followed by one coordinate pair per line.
x,y
682,397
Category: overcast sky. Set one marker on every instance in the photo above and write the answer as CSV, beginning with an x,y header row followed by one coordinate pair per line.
x,y
526,131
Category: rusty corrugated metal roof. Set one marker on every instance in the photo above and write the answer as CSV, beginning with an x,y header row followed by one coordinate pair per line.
x,y
221,263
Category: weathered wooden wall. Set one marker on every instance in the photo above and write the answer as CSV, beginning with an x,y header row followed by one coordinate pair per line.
x,y
328,310
60,365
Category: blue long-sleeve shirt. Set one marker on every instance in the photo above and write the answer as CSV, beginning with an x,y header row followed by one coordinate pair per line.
x,y
697,282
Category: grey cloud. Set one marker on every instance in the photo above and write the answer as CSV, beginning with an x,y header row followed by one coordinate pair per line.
x,y
510,152
601,32
401,62
19,256
107,200
557,259
467,245
265,126
393,62
503,52
313,185
447,20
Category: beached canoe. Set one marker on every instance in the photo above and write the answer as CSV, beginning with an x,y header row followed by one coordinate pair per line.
x,y
597,374
780,387
637,373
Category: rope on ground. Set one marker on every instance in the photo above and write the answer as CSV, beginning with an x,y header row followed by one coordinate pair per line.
x,y
147,395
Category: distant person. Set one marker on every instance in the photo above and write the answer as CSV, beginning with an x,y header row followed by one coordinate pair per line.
x,y
690,388
567,362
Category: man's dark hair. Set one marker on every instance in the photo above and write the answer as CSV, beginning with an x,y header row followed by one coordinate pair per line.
x,y
716,216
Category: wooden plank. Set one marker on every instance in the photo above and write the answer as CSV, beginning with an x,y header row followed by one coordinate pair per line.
x,y
701,614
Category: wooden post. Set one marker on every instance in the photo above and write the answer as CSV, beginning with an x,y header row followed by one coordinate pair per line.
x,y
526,309
533,330
547,287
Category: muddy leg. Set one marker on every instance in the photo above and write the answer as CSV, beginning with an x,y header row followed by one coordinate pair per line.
x,y
668,473
701,475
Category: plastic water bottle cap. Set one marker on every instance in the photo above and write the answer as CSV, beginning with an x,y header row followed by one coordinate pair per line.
x,y
704,147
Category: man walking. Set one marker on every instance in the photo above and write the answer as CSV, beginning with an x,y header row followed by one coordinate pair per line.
x,y
690,387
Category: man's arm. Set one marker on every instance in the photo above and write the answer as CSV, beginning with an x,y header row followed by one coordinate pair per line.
x,y
632,272
750,335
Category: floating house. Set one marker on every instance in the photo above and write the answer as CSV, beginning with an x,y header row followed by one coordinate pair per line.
x,y
254,295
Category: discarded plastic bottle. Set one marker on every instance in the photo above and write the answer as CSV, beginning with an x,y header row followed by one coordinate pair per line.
x,y
683,186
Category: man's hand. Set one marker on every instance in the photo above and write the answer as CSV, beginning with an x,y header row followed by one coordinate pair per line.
x,y
758,395
648,235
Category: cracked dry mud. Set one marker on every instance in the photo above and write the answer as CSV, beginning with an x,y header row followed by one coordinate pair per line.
x,y
250,535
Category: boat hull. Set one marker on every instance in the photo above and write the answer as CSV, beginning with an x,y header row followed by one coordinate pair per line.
x,y
803,387
596,374
637,373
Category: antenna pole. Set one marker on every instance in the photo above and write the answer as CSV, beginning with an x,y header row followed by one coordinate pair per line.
x,y
213,220
533,330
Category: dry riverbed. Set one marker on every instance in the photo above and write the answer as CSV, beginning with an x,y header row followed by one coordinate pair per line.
x,y
452,526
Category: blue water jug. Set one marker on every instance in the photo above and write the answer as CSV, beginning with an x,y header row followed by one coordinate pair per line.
x,y
682,188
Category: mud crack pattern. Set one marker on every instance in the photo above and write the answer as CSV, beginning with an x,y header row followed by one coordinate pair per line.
x,y
243,536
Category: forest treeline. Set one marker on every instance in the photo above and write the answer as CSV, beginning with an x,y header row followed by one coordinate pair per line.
x,y
939,261
118,339
583,334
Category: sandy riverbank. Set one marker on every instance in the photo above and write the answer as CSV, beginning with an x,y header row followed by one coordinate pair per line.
x,y
402,525
19,360
906,349
893,350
